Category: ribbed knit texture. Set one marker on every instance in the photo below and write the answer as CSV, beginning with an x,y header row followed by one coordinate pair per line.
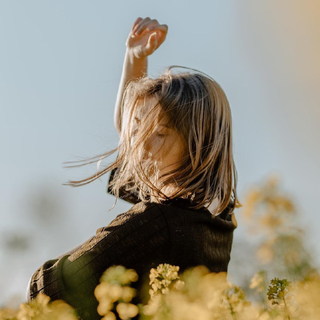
x,y
141,238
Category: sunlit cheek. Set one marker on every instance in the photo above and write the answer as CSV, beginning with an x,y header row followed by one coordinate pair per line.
x,y
154,148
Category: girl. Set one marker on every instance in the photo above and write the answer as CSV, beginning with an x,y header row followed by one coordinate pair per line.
x,y
174,160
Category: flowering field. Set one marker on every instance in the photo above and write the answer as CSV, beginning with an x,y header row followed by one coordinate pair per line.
x,y
199,294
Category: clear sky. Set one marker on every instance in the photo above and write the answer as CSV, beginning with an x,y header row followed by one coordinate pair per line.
x,y
60,65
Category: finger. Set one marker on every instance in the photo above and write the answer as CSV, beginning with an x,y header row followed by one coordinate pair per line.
x,y
135,23
152,25
145,25
160,34
159,27
152,44
141,22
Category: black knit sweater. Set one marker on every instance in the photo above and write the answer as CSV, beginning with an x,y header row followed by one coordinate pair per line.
x,y
141,239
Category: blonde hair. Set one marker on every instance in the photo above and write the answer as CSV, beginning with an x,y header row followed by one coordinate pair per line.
x,y
197,108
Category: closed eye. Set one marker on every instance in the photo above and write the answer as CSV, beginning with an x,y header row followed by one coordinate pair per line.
x,y
161,133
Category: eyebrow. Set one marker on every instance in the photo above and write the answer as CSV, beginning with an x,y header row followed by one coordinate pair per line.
x,y
160,124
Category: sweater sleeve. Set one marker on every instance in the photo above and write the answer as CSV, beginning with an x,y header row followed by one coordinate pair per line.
x,y
137,239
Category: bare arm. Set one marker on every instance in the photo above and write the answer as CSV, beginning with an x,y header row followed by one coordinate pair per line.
x,y
144,38
133,68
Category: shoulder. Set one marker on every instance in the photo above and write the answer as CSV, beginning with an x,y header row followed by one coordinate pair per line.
x,y
227,215
179,213
135,226
139,213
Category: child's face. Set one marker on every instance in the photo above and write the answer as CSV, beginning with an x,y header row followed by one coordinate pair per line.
x,y
165,145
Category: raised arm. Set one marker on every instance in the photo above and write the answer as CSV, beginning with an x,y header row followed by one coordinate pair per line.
x,y
144,38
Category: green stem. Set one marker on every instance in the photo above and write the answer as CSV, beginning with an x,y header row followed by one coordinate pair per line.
x,y
286,308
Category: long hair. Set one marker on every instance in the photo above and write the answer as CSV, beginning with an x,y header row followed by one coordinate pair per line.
x,y
197,108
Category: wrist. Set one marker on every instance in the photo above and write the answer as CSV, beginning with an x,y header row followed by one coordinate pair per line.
x,y
136,67
132,58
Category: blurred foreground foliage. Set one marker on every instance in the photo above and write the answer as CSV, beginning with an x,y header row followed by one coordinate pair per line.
x,y
197,293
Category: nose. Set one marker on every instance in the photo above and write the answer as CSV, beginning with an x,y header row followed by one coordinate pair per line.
x,y
148,144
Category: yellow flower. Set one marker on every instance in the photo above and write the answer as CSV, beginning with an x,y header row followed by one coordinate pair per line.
x,y
132,275
119,274
42,300
101,290
40,308
165,282
115,292
152,307
128,293
8,313
109,316
165,291
104,306
307,295
178,285
39,305
61,311
155,286
127,310
162,277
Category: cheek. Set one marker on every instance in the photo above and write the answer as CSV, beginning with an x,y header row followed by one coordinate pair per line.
x,y
167,149
174,149
155,146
